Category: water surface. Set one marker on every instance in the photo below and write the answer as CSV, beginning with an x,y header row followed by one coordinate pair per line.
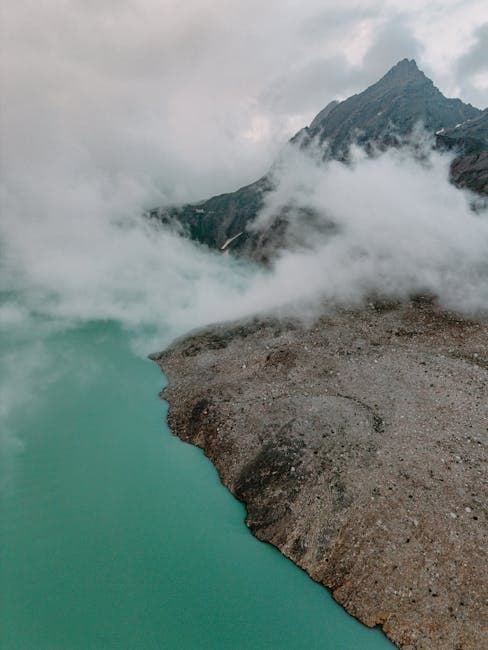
x,y
115,534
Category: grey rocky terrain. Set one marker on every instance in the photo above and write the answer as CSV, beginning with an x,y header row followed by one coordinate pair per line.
x,y
359,446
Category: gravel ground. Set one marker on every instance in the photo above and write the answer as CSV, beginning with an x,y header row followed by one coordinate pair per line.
x,y
359,446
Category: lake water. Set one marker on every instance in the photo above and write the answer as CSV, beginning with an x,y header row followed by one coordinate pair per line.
x,y
115,534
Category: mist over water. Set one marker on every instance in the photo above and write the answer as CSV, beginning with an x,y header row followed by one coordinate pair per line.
x,y
79,250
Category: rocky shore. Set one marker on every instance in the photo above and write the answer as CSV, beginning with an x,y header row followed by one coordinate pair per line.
x,y
358,444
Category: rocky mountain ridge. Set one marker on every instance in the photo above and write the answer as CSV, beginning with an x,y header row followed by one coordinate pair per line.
x,y
470,139
381,116
387,111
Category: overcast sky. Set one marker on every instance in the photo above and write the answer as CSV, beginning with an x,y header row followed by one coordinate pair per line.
x,y
190,98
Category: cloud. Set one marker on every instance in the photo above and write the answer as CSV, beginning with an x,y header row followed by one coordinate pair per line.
x,y
475,58
472,67
399,228
21,374
395,40
304,87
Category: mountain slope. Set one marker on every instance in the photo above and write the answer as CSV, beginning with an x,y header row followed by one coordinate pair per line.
x,y
470,139
389,110
470,136
220,218
382,115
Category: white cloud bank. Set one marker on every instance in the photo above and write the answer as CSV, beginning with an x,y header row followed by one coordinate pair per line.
x,y
400,228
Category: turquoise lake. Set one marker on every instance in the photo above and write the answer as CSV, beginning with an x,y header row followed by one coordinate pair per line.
x,y
115,534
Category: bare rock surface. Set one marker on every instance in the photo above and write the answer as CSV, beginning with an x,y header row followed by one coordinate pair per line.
x,y
359,446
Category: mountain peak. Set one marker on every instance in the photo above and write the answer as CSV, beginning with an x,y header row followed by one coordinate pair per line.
x,y
404,72
380,117
406,64
388,111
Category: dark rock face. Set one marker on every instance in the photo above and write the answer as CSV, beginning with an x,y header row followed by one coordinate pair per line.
x,y
322,115
470,140
468,137
359,446
381,116
471,171
215,221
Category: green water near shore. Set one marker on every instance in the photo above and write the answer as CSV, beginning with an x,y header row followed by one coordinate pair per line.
x,y
115,534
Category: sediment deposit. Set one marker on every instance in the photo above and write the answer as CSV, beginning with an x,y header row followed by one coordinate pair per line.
x,y
358,445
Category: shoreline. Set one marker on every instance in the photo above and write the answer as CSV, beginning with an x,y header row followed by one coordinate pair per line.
x,y
358,447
